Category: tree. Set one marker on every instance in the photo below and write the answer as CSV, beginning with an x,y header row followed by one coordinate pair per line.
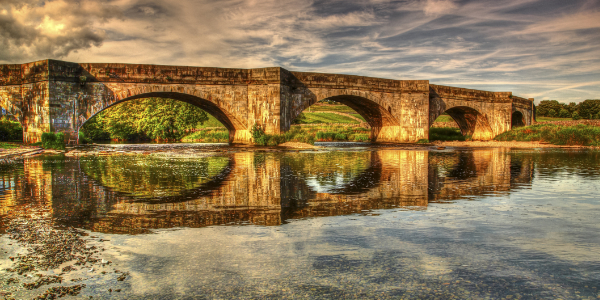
x,y
575,116
563,113
551,113
150,118
545,106
589,108
94,129
169,119
572,107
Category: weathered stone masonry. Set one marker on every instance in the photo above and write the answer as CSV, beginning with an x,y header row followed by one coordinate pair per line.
x,y
50,96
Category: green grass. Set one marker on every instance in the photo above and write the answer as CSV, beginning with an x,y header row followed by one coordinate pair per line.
x,y
582,135
208,136
212,122
5,145
338,108
324,118
446,134
359,116
295,134
314,134
546,119
444,118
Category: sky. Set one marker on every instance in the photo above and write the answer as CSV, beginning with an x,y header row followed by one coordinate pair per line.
x,y
542,49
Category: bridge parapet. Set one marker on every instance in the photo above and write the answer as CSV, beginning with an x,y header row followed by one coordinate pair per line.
x,y
160,74
471,95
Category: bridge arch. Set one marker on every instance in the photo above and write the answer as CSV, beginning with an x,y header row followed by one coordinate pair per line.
x,y
377,110
237,130
470,121
517,119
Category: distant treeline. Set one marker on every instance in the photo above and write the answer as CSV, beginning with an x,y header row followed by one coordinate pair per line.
x,y
588,109
145,119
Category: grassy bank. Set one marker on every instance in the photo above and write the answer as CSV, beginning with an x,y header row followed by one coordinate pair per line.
x,y
211,122
446,134
313,134
582,135
295,134
208,136
338,133
444,118
6,145
325,118
550,119
336,108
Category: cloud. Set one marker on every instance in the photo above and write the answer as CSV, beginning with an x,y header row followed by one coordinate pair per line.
x,y
438,7
447,42
34,29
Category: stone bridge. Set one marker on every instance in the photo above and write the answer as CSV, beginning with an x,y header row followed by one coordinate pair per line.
x,y
58,96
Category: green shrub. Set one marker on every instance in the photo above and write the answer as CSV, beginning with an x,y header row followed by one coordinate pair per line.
x,y
83,139
361,137
10,130
295,134
575,116
445,134
53,140
583,135
341,137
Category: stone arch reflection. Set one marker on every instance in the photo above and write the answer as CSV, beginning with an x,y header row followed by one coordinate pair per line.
x,y
270,188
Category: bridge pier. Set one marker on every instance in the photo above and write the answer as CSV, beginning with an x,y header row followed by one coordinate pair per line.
x,y
57,96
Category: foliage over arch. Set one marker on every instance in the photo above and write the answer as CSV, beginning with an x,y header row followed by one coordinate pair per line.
x,y
146,118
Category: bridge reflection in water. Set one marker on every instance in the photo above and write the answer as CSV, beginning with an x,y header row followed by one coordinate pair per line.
x,y
113,195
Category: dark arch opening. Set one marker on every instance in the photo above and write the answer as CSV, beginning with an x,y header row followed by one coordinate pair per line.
x,y
231,123
472,124
517,119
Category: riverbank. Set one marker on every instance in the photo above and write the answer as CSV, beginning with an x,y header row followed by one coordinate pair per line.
x,y
503,144
17,150
565,133
204,149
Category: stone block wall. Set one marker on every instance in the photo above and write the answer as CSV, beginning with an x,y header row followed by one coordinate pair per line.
x,y
481,114
525,107
59,96
397,111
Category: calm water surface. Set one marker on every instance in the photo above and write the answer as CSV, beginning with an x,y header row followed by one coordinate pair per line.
x,y
340,223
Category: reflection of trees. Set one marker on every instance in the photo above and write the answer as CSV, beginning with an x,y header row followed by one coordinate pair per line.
x,y
152,177
329,169
260,188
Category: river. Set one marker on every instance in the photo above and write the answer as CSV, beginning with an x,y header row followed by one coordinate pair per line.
x,y
354,223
